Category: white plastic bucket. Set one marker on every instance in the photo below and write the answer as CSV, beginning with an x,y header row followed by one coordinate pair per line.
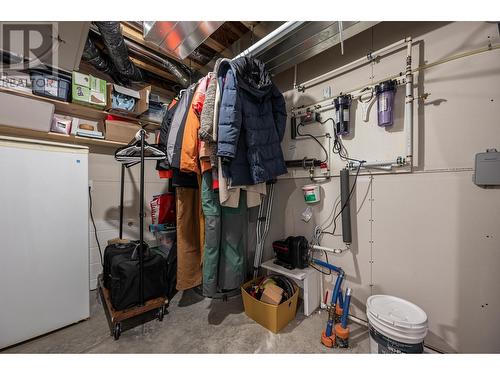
x,y
396,325
312,193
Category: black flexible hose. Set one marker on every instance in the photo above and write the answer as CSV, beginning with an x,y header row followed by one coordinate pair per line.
x,y
118,51
93,56
315,139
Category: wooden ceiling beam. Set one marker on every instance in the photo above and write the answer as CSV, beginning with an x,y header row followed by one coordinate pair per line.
x,y
234,29
260,30
217,47
249,24
163,92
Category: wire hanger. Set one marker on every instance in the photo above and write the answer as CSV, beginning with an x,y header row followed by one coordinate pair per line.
x,y
131,154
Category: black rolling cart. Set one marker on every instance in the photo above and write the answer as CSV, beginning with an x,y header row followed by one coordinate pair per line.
x,y
121,320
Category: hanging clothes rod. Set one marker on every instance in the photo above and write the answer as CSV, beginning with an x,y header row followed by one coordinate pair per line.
x,y
271,38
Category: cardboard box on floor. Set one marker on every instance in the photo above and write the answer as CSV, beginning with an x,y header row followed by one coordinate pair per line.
x,y
272,317
272,295
141,96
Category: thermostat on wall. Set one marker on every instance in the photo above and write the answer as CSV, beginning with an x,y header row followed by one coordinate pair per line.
x,y
487,168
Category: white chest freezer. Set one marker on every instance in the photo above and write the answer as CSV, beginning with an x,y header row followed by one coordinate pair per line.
x,y
44,265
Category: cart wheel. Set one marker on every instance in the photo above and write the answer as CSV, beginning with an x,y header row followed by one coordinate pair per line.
x,y
117,330
165,310
160,314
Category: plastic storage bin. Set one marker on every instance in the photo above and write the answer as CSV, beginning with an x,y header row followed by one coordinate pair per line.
x,y
166,240
155,113
51,86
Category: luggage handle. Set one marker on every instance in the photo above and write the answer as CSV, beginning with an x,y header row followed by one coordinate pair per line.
x,y
135,253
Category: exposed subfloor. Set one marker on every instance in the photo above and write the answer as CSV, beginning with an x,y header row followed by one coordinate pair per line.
x,y
194,325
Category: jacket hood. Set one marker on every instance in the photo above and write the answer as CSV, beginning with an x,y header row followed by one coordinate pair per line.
x,y
252,76
220,61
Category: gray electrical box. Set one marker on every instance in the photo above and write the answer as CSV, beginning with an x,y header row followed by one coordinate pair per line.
x,y
487,168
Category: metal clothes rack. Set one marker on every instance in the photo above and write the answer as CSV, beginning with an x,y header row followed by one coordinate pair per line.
x,y
141,213
120,320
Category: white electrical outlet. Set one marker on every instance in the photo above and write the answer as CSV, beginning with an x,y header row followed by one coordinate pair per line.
x,y
91,185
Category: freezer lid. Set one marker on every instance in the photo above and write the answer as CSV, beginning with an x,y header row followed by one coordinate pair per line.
x,y
28,143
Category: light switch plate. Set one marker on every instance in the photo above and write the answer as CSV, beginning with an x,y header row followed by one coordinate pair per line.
x,y
327,92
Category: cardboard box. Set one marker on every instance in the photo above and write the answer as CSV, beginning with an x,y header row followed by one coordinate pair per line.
x,y
85,125
88,90
61,124
141,96
274,318
88,128
121,131
272,295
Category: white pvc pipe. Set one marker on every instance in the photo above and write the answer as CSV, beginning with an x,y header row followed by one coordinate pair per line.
x,y
357,320
408,122
380,163
355,93
327,249
321,294
270,38
381,167
352,64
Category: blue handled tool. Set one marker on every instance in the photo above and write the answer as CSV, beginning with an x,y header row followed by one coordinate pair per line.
x,y
335,296
328,336
341,329
345,313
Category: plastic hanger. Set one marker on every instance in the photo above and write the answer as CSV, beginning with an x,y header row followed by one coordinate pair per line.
x,y
131,154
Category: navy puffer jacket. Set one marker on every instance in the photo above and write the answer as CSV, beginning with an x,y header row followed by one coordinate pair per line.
x,y
252,120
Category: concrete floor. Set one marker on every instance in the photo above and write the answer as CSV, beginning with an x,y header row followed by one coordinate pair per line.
x,y
194,325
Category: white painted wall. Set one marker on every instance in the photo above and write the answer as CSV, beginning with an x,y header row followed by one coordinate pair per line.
x,y
104,172
432,236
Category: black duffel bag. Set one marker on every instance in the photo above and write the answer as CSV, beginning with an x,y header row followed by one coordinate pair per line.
x,y
125,286
171,274
109,253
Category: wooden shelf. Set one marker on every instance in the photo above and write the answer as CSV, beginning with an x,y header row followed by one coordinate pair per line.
x,y
55,137
78,110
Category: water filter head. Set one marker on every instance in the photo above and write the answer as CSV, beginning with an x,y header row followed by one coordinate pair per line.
x,y
389,85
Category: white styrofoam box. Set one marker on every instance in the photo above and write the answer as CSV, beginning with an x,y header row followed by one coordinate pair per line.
x,y
26,113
